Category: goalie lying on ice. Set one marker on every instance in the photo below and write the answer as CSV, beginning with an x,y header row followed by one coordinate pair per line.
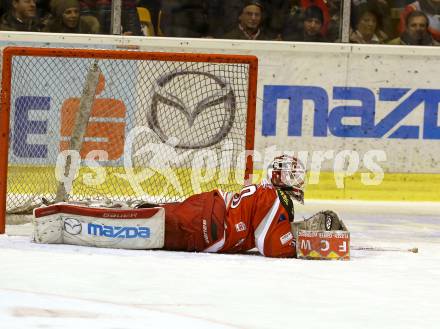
x,y
259,216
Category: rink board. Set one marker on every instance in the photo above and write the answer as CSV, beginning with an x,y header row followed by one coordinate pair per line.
x,y
330,98
115,182
325,188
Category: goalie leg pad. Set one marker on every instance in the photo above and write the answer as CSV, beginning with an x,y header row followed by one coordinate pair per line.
x,y
100,227
49,230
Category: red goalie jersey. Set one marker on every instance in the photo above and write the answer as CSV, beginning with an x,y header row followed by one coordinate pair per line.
x,y
259,216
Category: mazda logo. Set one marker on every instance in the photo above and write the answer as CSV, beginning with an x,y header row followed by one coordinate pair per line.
x,y
196,107
72,226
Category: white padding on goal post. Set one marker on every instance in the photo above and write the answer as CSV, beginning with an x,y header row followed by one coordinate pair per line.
x,y
100,227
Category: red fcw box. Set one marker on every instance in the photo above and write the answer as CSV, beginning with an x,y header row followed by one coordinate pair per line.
x,y
323,245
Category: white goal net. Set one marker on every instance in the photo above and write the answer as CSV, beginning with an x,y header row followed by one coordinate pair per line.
x,y
123,125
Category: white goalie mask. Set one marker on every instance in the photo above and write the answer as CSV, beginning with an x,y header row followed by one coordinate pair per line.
x,y
287,173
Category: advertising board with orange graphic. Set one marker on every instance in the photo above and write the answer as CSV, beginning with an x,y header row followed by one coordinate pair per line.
x,y
47,112
105,129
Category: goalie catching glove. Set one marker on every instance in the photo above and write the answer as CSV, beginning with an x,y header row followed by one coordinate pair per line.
x,y
322,236
326,220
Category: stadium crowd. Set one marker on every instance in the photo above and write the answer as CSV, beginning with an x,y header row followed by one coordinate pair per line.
x,y
404,22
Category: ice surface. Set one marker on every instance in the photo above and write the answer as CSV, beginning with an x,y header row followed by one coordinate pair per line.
x,y
68,287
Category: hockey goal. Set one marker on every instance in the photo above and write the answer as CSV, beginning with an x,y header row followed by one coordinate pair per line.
x,y
109,125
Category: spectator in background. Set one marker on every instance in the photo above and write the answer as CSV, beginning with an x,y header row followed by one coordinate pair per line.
x,y
367,23
153,7
311,27
184,18
416,31
43,10
249,23
101,10
222,16
334,25
432,10
66,18
21,16
384,9
276,13
294,22
322,4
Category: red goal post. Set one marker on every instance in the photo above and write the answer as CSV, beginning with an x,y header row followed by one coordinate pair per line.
x,y
194,107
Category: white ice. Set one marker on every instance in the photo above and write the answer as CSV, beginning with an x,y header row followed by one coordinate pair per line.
x,y
68,287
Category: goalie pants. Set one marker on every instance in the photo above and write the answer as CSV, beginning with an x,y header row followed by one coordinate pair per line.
x,y
196,223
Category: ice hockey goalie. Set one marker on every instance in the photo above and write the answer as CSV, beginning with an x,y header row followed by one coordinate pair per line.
x,y
259,216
